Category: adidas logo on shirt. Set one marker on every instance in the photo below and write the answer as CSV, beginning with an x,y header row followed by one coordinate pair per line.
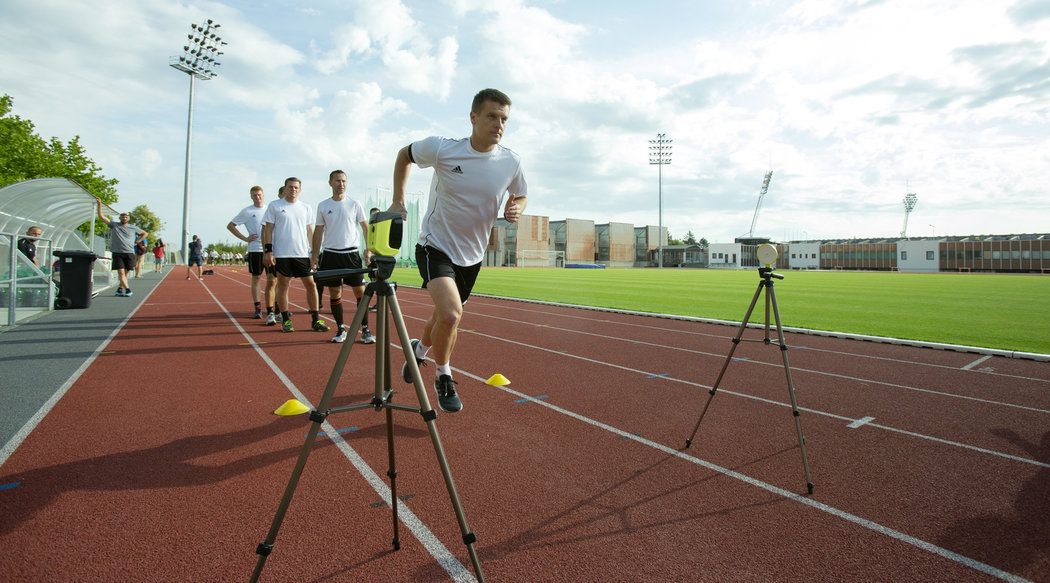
x,y
457,170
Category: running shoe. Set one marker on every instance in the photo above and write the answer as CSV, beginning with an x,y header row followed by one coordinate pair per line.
x,y
287,326
257,315
320,326
127,292
340,337
120,292
407,374
367,337
448,400
271,319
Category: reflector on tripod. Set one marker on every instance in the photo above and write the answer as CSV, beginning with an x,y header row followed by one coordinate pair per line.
x,y
384,233
767,254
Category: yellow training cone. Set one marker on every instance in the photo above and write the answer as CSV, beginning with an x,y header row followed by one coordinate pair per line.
x,y
291,407
497,380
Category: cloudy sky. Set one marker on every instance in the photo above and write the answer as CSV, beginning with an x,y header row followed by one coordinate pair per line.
x,y
851,104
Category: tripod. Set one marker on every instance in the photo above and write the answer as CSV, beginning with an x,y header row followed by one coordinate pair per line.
x,y
381,269
766,277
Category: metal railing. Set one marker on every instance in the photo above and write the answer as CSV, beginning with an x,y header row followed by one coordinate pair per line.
x,y
25,289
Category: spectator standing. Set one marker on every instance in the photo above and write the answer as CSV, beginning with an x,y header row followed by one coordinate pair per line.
x,y
123,238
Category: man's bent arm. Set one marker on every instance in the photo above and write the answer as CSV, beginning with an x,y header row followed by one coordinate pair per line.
x,y
237,232
402,166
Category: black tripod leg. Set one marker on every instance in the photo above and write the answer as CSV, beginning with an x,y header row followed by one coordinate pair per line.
x,y
725,365
317,417
469,538
791,392
382,388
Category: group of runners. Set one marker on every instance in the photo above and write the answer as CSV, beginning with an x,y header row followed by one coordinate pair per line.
x,y
475,178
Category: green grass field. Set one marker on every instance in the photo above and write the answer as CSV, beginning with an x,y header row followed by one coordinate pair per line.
x,y
1010,312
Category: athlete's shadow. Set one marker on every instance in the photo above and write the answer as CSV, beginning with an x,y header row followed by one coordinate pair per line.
x,y
170,465
1012,541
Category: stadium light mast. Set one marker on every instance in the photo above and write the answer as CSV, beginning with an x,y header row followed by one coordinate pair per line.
x,y
910,200
198,60
660,154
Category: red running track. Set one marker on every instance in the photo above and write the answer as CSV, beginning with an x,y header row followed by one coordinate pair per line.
x,y
163,462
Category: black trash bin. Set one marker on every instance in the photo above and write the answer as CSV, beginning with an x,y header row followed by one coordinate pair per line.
x,y
77,279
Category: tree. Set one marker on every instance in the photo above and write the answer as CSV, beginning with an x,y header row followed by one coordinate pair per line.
x,y
144,219
25,155
690,238
703,243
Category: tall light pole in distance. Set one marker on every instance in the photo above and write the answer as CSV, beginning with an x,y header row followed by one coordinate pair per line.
x,y
198,60
660,154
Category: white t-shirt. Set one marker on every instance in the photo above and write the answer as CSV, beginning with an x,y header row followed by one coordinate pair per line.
x,y
290,221
342,223
251,217
466,194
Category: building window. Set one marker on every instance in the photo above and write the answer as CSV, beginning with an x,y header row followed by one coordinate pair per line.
x,y
929,256
904,255
792,255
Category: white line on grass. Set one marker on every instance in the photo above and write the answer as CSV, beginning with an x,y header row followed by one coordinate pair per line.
x,y
430,542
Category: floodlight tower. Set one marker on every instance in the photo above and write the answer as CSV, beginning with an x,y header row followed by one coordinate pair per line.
x,y
198,60
758,205
910,200
660,154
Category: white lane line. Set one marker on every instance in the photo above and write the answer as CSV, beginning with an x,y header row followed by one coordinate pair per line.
x,y
860,422
434,546
860,521
770,401
752,397
892,533
976,362
20,436
775,365
728,337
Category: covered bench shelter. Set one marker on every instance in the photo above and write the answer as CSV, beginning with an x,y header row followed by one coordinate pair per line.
x,y
58,206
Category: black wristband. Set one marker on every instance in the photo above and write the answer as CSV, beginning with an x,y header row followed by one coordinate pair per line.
x,y
268,248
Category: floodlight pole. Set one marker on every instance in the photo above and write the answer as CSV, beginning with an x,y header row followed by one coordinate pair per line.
x,y
910,200
198,61
660,154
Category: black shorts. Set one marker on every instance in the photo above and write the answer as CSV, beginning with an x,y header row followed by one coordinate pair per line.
x,y
195,260
293,266
433,263
331,260
255,264
123,261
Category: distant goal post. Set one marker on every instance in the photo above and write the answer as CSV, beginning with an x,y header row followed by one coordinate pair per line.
x,y
536,258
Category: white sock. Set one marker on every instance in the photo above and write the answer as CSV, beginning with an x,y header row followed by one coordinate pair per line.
x,y
421,351
444,369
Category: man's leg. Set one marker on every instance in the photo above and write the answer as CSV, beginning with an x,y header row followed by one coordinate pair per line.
x,y
366,334
312,303
122,277
442,327
255,295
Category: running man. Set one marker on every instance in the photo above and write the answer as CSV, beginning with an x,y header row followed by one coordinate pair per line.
x,y
251,217
286,234
335,246
123,238
471,175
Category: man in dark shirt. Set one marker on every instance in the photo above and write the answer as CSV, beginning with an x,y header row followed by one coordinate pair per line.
x,y
28,246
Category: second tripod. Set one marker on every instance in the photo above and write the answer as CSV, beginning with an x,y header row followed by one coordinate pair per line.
x,y
387,309
766,276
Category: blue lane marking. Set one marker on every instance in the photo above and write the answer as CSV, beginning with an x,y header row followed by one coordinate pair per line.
x,y
9,486
536,398
341,431
659,375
